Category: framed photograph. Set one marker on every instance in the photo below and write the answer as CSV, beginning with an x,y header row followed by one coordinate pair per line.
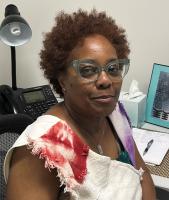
x,y
157,107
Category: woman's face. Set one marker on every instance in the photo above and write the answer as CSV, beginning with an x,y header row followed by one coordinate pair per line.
x,y
97,98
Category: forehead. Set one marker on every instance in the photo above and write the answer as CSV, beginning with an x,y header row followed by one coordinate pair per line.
x,y
95,47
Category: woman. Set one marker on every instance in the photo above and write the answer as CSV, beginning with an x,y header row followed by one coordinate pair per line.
x,y
85,141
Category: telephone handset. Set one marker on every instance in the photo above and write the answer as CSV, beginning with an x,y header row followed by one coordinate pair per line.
x,y
32,101
7,102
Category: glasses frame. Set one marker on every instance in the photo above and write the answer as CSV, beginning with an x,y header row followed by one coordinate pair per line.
x,y
125,61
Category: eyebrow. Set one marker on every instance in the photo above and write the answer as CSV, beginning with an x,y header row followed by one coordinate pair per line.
x,y
94,61
87,60
111,60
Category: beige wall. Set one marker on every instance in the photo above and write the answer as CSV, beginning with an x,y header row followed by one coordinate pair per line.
x,y
146,23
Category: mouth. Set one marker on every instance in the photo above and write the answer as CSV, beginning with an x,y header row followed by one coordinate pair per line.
x,y
105,99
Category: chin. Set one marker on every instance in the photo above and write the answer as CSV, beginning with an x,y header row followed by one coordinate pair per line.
x,y
105,111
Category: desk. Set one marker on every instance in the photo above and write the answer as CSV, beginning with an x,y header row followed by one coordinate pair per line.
x,y
160,174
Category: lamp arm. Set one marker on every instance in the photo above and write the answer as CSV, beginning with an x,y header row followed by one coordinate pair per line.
x,y
13,67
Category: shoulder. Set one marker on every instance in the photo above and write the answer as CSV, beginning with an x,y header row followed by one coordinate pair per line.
x,y
25,166
58,111
32,132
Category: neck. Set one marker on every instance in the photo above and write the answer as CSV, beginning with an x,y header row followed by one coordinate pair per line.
x,y
92,130
90,125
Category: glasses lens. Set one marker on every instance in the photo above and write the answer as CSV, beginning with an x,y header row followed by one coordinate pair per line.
x,y
124,66
88,70
118,69
114,69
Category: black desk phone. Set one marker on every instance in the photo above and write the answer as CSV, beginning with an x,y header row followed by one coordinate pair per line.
x,y
33,101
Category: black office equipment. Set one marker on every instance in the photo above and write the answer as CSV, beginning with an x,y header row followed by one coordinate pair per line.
x,y
32,101
15,31
161,193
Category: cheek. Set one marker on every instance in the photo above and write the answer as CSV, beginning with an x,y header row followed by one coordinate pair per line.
x,y
77,89
117,87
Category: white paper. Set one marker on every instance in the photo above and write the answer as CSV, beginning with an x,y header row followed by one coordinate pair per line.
x,y
158,149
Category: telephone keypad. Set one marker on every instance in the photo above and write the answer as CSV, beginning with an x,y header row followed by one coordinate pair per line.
x,y
38,108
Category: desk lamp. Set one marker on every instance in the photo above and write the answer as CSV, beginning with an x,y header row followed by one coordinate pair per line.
x,y
14,31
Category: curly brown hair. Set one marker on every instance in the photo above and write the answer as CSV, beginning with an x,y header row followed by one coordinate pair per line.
x,y
68,31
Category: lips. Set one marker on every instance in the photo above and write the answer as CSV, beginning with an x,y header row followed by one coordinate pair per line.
x,y
104,98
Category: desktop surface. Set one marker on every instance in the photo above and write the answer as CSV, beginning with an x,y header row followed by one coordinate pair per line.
x,y
160,174
153,127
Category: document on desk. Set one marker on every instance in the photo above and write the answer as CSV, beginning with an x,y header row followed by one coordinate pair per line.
x,y
155,152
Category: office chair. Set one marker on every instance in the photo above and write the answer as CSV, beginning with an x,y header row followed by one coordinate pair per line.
x,y
11,126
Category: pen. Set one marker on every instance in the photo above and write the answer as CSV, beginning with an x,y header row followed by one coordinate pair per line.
x,y
148,146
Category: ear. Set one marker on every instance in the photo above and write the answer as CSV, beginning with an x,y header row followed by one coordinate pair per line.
x,y
61,80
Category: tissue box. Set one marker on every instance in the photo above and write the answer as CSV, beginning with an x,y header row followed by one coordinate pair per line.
x,y
135,108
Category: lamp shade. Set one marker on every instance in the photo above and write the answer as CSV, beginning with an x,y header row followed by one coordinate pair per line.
x,y
14,30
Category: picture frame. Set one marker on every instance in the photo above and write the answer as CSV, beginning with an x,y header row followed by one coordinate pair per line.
x,y
157,106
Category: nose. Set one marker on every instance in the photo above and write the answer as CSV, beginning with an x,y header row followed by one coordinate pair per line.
x,y
103,81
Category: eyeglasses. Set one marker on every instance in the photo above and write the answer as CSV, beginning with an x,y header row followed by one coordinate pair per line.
x,y
90,71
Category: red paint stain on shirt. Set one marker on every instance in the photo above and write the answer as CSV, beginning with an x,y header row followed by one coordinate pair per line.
x,y
62,136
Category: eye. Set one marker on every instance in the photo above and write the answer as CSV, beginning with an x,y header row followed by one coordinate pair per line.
x,y
87,69
114,69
